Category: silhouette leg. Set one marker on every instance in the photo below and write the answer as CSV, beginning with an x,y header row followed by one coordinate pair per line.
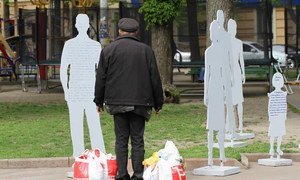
x,y
76,125
230,117
279,140
271,152
227,123
240,116
221,137
94,125
230,121
210,139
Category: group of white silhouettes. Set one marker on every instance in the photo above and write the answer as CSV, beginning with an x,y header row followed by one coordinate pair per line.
x,y
224,76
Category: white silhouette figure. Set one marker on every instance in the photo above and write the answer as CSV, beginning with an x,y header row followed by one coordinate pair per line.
x,y
214,94
77,73
277,109
238,70
225,43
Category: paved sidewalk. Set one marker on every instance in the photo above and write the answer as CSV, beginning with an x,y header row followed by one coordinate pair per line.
x,y
255,172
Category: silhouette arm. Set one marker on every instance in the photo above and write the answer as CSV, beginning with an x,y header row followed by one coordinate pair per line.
x,y
64,70
206,78
223,81
98,55
230,56
242,63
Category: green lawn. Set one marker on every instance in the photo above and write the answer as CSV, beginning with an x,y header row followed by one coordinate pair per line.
x,y
34,130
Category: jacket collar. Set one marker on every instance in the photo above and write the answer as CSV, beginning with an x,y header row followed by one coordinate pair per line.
x,y
127,37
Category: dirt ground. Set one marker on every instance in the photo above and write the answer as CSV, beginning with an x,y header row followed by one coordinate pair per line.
x,y
255,107
12,92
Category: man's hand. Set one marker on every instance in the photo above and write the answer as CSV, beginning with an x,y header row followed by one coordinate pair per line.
x,y
100,109
157,110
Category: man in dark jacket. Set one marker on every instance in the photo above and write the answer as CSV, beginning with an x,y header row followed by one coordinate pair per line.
x,y
129,85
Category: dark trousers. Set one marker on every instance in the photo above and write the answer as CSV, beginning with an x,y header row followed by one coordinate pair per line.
x,y
130,125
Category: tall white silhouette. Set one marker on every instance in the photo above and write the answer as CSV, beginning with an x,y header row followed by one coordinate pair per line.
x,y
238,70
78,74
214,94
225,42
277,108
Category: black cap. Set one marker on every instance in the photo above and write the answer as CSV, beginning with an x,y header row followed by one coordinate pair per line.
x,y
128,25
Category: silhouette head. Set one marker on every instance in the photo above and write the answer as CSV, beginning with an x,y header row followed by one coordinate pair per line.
x,y
232,27
82,23
214,31
220,17
277,80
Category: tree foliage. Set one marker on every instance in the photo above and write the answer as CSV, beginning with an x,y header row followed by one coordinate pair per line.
x,y
160,12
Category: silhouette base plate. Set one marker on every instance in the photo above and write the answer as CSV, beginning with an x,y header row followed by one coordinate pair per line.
x,y
275,162
216,171
240,136
234,144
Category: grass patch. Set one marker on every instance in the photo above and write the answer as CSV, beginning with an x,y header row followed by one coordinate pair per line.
x,y
293,109
291,73
34,130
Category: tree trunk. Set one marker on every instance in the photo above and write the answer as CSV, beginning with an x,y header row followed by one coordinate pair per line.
x,y
5,19
162,50
193,29
103,26
16,12
212,6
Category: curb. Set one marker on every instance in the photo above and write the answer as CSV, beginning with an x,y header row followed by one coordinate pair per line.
x,y
36,163
54,162
193,163
246,158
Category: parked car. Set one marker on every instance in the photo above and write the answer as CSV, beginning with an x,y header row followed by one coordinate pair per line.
x,y
253,55
291,52
253,52
181,56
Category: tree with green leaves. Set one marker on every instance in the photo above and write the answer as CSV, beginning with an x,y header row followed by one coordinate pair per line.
x,y
159,14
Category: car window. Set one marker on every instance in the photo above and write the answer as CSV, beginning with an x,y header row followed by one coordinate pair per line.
x,y
246,48
258,46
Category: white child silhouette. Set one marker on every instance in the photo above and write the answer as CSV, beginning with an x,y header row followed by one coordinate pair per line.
x,y
277,109
81,55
